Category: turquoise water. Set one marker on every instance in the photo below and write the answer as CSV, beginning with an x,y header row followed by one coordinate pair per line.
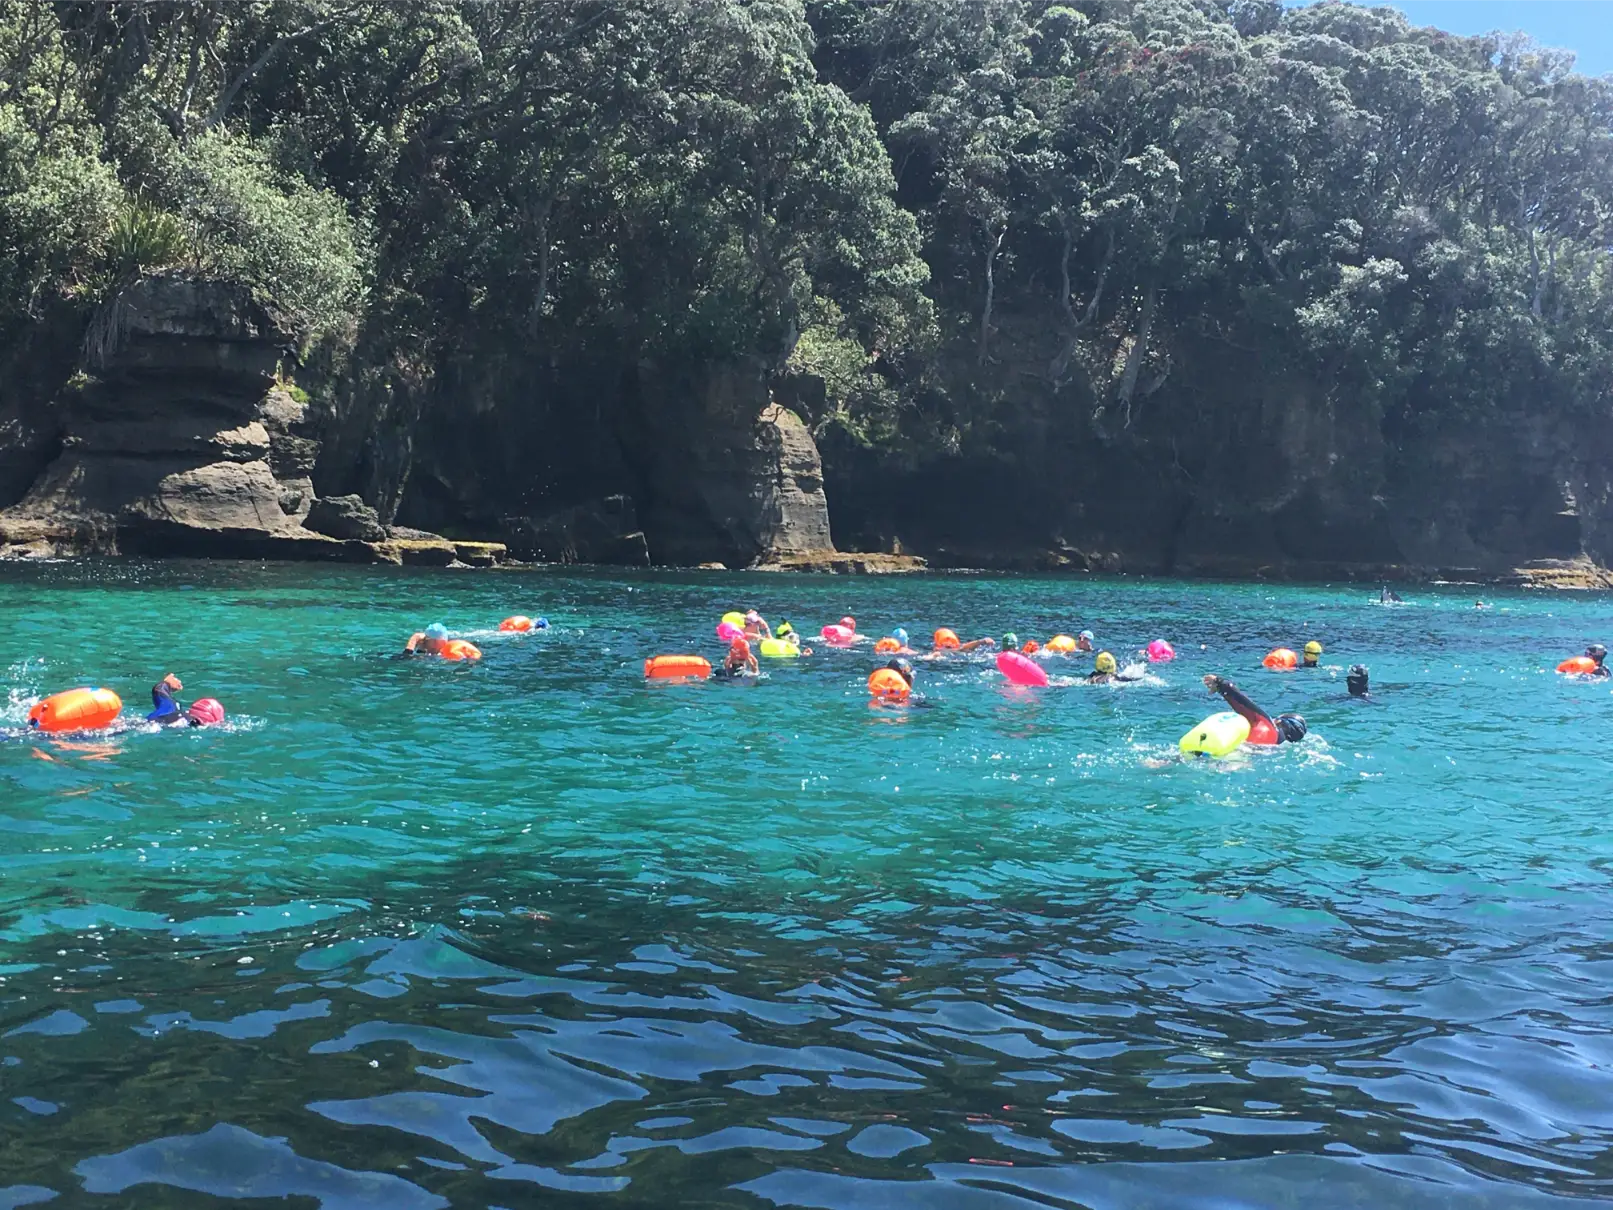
x,y
533,932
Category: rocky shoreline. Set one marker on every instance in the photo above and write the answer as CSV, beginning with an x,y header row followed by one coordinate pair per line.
x,y
181,432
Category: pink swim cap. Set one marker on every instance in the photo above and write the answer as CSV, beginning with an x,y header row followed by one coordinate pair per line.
x,y
207,711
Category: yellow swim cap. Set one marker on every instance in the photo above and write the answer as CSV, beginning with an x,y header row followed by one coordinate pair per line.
x,y
1313,648
1105,662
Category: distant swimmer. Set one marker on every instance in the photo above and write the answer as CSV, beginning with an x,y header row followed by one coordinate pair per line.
x,y
1313,654
429,641
785,630
1263,729
892,683
1357,681
1106,671
894,644
164,709
1388,596
1597,654
1084,641
740,661
434,640
756,627
1480,605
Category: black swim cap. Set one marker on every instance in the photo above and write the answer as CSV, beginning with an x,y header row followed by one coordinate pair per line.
x,y
902,668
1596,651
1291,727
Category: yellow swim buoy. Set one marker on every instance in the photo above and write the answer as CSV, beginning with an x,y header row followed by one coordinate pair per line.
x,y
1216,736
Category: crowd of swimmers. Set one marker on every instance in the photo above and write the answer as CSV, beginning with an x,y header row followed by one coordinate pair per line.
x,y
894,681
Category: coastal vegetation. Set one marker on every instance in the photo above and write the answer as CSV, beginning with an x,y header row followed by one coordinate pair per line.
x,y
936,226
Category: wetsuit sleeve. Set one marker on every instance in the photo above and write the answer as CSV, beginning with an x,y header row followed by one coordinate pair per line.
x,y
1234,697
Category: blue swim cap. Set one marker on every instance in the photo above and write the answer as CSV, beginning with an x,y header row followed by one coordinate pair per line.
x,y
436,631
542,623
900,636
1087,635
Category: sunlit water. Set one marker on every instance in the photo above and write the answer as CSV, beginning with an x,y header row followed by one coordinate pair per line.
x,y
535,933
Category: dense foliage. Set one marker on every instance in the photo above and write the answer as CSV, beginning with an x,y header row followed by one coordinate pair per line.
x,y
933,206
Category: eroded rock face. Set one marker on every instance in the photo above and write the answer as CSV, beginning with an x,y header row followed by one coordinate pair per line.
x,y
726,472
599,531
184,442
345,517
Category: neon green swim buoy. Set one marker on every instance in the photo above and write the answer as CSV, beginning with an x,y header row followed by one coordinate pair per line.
x,y
1216,736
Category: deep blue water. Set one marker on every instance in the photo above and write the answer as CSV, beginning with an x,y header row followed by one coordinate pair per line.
x,y
535,933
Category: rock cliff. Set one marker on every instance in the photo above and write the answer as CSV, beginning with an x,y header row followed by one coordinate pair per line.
x,y
180,440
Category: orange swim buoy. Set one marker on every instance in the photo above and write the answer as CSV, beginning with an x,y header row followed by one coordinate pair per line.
x,y
1061,644
889,684
1282,660
1577,665
665,667
459,649
518,624
887,645
75,710
946,640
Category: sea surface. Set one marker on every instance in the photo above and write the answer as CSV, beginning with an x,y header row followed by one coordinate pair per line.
x,y
533,932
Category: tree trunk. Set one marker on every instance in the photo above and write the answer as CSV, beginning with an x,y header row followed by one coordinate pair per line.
x,y
993,247
1139,349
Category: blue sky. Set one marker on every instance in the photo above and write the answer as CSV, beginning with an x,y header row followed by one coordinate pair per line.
x,y
1582,26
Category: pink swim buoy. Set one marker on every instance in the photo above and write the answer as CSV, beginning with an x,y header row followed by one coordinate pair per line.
x,y
1020,669
1160,652
728,632
838,636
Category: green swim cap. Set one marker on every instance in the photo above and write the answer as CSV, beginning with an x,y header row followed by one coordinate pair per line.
x,y
1010,641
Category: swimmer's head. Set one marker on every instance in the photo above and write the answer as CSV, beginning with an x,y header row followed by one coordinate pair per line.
x,y
902,669
1291,727
1010,641
436,632
541,624
900,636
1313,651
1357,680
740,647
752,616
849,622
1087,635
172,681
1104,663
1597,652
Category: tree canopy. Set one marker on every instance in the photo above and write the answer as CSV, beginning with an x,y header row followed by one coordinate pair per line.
x,y
934,206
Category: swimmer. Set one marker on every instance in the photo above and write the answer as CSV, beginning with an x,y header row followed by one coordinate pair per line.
x,y
1598,653
1084,641
1263,729
1105,671
429,641
1480,605
1357,682
756,626
899,638
1313,655
894,693
785,630
1387,596
740,661
164,709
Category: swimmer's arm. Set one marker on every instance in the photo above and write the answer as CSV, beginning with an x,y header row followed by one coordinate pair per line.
x,y
414,641
1234,697
973,643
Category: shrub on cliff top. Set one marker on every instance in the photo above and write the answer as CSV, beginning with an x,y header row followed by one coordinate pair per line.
x,y
291,242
